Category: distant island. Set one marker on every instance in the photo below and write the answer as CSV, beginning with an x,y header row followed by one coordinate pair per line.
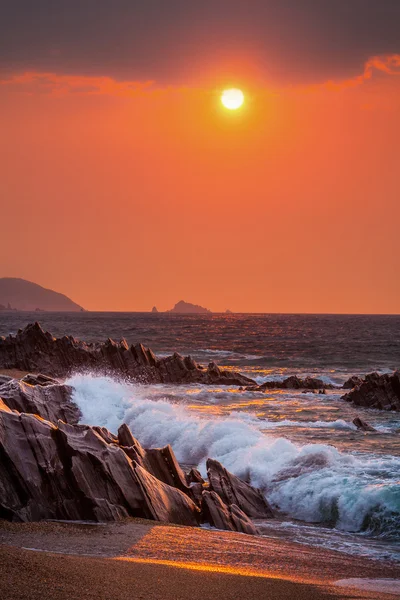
x,y
20,294
183,307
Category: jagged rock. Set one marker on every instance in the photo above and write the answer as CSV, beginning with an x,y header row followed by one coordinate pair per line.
x,y
295,383
33,349
194,476
39,379
377,391
77,472
362,425
40,396
352,382
233,490
160,462
221,516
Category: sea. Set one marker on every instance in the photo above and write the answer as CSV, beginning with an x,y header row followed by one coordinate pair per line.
x,y
331,485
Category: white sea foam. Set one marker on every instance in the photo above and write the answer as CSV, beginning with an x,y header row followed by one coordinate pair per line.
x,y
314,482
386,586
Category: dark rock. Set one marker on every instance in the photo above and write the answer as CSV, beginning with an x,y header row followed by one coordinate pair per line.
x,y
377,391
183,307
194,476
362,425
39,379
33,349
295,383
43,396
78,472
154,309
233,490
352,382
230,518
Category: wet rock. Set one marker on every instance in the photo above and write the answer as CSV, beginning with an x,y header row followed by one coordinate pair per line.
x,y
362,425
352,382
160,462
33,349
377,391
40,396
295,383
78,472
39,379
194,476
221,516
233,490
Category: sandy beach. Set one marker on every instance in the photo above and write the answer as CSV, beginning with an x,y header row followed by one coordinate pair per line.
x,y
140,559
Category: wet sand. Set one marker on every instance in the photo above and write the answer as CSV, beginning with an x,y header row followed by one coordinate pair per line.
x,y
141,559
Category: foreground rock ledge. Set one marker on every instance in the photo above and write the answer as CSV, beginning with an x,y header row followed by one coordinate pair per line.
x,y
78,472
33,349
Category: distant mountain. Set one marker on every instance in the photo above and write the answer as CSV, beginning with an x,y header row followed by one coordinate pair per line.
x,y
19,294
188,308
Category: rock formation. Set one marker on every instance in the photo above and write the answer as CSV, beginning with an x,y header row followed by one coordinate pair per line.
x,y
154,309
221,516
362,425
183,307
40,396
233,490
295,383
63,470
352,382
74,472
377,391
33,349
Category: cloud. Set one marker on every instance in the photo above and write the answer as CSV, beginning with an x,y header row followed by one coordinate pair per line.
x,y
388,65
54,84
61,85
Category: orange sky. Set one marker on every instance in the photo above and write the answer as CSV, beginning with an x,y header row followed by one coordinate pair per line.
x,y
125,195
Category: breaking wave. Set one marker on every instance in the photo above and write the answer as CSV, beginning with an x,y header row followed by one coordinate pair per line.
x,y
314,483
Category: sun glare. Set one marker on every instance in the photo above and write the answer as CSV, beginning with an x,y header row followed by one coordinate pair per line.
x,y
232,99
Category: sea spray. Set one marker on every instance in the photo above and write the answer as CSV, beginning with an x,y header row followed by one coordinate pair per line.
x,y
314,482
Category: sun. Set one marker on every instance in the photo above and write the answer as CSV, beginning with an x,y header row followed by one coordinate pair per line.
x,y
232,98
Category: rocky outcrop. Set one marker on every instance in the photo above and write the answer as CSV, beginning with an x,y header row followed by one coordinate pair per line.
x,y
221,516
42,396
377,391
33,349
352,382
188,308
233,490
295,383
77,472
160,462
362,425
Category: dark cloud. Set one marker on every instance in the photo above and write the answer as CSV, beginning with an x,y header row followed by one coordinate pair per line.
x,y
171,40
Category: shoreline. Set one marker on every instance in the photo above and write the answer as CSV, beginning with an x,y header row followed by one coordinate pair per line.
x,y
138,552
